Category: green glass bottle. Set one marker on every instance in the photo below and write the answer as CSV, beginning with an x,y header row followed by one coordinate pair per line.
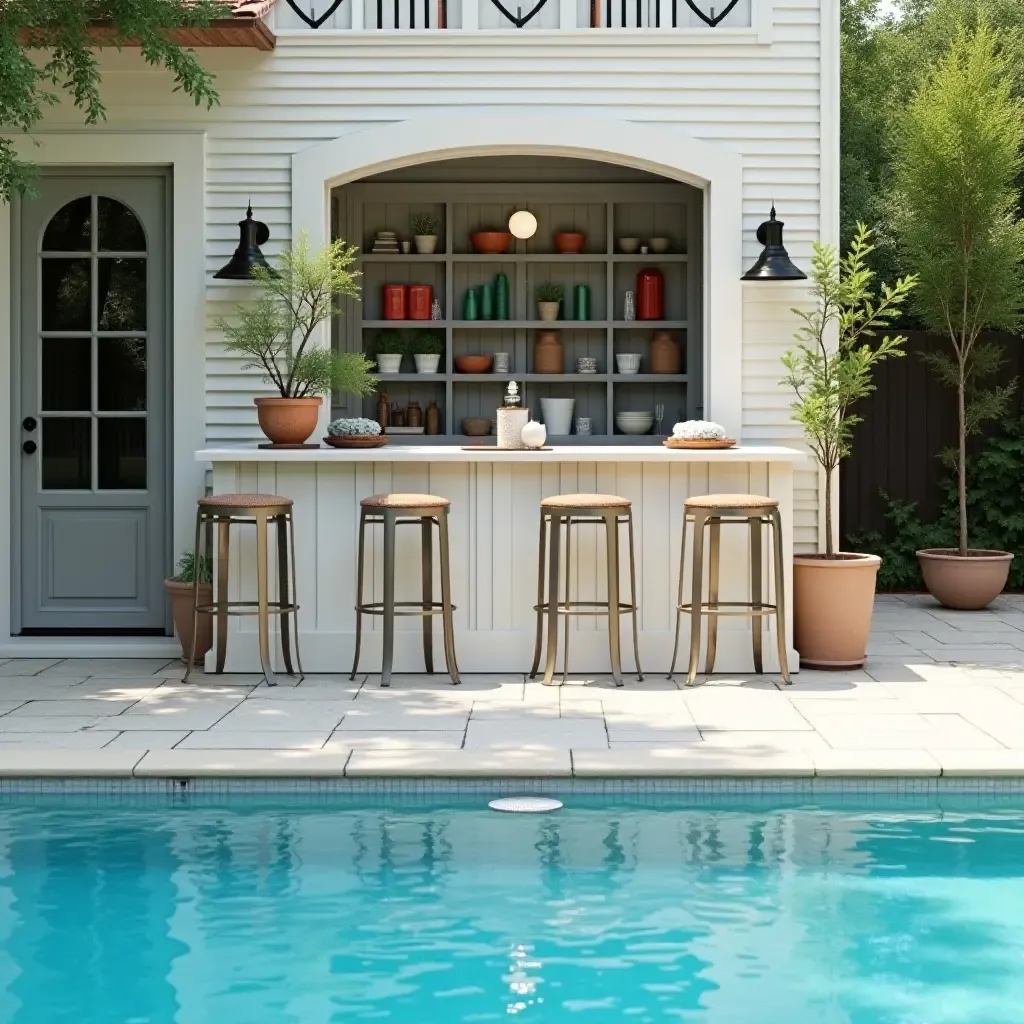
x,y
470,309
501,292
581,304
487,301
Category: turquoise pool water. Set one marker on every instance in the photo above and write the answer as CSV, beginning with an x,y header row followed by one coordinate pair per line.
x,y
258,912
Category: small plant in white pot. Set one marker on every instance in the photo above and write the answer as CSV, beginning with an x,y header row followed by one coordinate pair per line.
x,y
181,595
424,232
957,178
549,299
388,349
829,370
427,347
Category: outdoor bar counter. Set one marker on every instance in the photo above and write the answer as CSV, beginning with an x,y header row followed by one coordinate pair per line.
x,y
495,497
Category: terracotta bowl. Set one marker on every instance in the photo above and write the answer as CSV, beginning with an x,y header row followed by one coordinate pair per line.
x,y
476,426
491,241
473,364
570,241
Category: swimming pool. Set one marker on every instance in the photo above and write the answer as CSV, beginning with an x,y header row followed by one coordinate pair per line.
x,y
276,909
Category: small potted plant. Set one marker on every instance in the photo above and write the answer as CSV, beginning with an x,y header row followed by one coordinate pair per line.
x,y
427,347
549,298
180,592
274,334
424,231
387,349
829,370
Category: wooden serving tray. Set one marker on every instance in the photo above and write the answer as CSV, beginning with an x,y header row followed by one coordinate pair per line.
x,y
355,441
707,445
495,448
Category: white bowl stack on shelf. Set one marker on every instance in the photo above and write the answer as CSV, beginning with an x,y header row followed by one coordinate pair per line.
x,y
634,422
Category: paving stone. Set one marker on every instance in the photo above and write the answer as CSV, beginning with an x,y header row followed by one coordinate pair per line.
x,y
980,763
177,764
288,716
142,740
501,764
697,760
536,734
440,740
39,763
73,708
27,666
252,739
107,667
879,763
402,719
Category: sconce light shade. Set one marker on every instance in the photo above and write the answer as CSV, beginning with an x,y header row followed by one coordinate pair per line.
x,y
251,235
522,224
774,263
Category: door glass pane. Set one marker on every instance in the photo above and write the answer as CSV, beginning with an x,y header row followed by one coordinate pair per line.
x,y
121,374
67,374
70,228
67,453
121,294
122,454
66,289
119,228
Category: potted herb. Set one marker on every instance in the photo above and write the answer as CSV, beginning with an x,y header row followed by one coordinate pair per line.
x,y
424,231
957,168
180,594
274,334
549,298
387,349
426,347
829,370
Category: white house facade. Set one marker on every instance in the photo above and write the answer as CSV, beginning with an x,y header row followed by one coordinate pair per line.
x,y
661,118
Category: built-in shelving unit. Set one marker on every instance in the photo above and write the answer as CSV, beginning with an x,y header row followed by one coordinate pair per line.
x,y
605,213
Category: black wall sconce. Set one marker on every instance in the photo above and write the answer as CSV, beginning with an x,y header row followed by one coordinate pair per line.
x,y
774,263
251,235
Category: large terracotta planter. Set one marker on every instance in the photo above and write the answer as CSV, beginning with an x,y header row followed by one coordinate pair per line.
x,y
833,599
288,420
970,583
179,596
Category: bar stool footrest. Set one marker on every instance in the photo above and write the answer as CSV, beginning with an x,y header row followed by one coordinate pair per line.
x,y
411,608
246,608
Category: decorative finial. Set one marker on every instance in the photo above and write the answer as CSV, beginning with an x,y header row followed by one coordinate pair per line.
x,y
512,398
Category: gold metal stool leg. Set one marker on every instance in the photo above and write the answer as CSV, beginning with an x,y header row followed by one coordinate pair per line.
x,y
195,596
388,652
634,600
780,597
541,567
360,561
713,567
568,596
295,592
696,595
611,525
223,560
283,591
756,593
262,585
446,598
427,572
555,539
679,597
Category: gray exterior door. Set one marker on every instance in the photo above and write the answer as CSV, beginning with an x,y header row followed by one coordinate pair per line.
x,y
92,437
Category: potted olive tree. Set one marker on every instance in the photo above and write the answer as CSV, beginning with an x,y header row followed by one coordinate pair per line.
x,y
180,590
958,161
829,370
274,334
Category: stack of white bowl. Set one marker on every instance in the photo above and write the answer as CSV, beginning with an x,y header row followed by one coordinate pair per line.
x,y
634,422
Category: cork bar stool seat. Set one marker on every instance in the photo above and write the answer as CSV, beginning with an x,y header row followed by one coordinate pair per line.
x,y
225,511
570,511
712,511
392,511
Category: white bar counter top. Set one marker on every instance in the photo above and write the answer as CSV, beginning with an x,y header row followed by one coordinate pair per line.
x,y
493,523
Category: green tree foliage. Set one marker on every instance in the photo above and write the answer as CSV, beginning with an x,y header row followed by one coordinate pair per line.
x,y
275,331
46,52
828,379
958,157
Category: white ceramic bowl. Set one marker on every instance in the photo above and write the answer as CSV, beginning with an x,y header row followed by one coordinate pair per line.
x,y
659,244
628,362
634,422
629,245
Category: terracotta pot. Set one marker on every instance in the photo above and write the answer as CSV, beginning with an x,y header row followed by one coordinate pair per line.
x,y
288,420
179,596
548,353
970,583
491,242
570,241
666,356
833,599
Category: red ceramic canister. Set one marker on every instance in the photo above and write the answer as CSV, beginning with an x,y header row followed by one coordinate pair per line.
x,y
650,294
421,298
396,301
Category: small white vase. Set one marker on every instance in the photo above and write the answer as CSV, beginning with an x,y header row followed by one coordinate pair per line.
x,y
534,435
389,362
427,363
426,244
558,415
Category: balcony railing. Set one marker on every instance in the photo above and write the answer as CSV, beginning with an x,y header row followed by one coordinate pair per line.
x,y
497,15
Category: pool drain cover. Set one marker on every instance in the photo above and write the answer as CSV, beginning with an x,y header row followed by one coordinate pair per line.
x,y
525,804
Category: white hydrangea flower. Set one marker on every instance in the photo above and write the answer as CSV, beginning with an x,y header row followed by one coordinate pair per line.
x,y
698,430
357,426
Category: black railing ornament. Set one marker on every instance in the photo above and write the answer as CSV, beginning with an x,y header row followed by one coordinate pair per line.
x,y
519,19
311,19
711,19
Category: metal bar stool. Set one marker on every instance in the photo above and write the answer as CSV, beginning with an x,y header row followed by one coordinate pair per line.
x,y
426,511
714,510
225,511
573,510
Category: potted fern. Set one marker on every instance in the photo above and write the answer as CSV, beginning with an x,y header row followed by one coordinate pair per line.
x,y
274,335
549,298
829,370
181,590
424,232
426,347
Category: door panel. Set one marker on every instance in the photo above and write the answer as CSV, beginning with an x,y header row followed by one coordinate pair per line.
x,y
93,440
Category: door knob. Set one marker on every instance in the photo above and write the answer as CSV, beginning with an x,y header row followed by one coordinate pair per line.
x,y
29,423
29,447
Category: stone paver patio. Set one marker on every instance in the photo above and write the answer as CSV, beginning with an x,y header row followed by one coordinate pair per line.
x,y
942,693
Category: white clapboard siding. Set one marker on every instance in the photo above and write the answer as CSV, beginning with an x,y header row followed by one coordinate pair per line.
x,y
762,101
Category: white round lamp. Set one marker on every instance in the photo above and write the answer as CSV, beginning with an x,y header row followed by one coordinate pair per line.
x,y
522,224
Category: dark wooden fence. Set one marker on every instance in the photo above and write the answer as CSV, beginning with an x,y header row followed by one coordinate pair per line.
x,y
907,422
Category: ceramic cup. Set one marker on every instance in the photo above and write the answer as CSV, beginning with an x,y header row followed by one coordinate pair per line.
x,y
586,364
557,415
627,362
583,427
406,247
502,362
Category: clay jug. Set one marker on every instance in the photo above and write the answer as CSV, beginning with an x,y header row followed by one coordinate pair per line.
x,y
548,354
414,415
433,417
383,411
666,356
